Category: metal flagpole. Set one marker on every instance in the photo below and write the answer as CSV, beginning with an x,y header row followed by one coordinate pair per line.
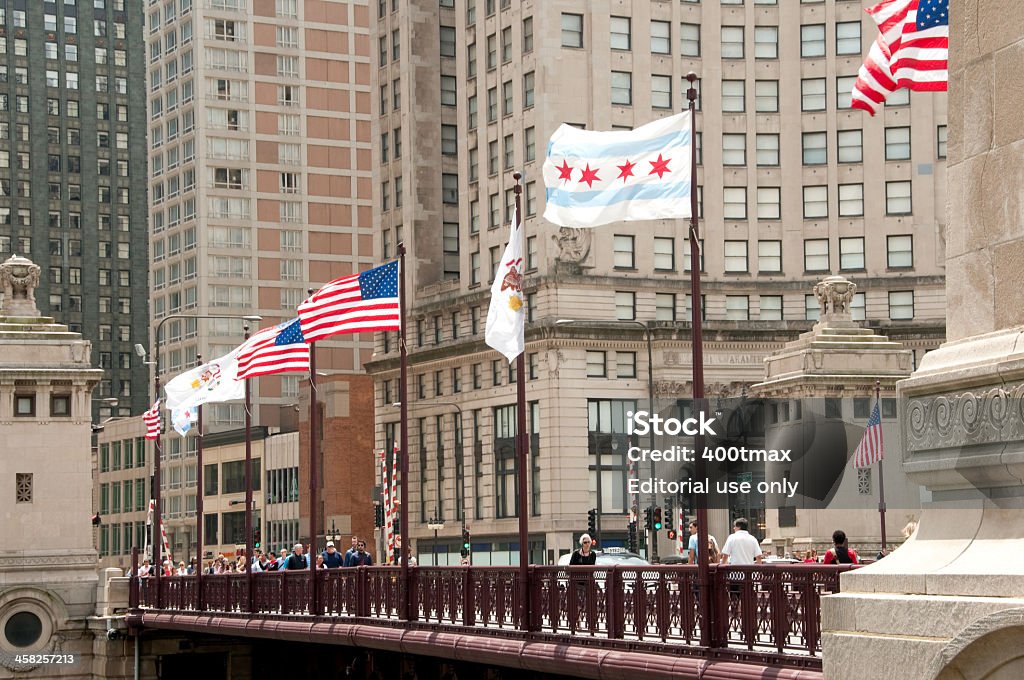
x,y
403,396
156,565
881,461
703,570
314,481
248,482
199,501
523,454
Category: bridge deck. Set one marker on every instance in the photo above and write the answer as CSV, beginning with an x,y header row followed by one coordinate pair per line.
x,y
768,614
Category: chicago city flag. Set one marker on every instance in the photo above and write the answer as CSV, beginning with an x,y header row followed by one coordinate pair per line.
x,y
506,315
595,178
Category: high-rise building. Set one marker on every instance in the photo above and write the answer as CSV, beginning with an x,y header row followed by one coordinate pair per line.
x,y
260,185
73,174
793,185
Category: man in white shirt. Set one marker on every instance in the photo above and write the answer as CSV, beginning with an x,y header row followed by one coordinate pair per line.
x,y
741,548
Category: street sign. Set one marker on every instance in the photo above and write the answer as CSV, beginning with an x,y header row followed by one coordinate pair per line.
x,y
747,477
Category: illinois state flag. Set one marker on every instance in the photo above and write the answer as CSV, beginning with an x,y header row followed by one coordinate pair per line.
x,y
215,381
595,178
506,315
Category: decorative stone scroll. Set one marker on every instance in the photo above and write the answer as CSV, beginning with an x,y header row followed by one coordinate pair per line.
x,y
19,278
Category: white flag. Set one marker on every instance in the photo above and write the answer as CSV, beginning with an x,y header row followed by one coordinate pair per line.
x,y
215,381
183,417
506,315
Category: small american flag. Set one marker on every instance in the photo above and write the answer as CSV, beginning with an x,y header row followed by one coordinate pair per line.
x,y
153,421
353,304
870,449
279,349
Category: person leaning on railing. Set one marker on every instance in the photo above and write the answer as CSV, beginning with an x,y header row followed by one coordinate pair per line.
x,y
840,552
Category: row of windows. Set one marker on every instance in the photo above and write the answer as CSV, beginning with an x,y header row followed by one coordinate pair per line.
x,y
898,201
899,254
126,496
18,19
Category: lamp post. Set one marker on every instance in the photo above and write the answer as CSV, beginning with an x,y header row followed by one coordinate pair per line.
x,y
436,525
458,448
652,546
141,351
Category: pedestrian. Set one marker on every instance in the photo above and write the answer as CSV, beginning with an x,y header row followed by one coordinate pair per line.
x,y
360,558
584,556
741,548
320,562
811,556
331,557
181,571
840,552
713,553
145,569
296,560
350,551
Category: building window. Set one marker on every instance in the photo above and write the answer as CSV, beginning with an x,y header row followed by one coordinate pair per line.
x,y
848,37
767,149
23,487
851,200
624,256
766,96
897,198
596,367
816,255
766,42
815,202
769,256
812,308
661,37
686,254
664,307
689,40
940,141
737,307
844,91
661,92
769,203
732,96
901,304
734,203
622,88
621,35
60,404
849,146
607,436
664,254
812,41
735,256
24,405
572,30
851,253
858,307
734,149
732,42
449,91
625,305
625,365
814,148
812,94
900,251
770,308
897,143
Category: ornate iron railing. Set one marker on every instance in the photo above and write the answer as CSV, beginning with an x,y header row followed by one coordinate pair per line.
x,y
772,609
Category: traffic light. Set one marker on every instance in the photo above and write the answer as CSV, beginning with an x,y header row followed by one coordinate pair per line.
x,y
378,515
257,537
649,517
466,544
669,513
657,519
671,533
632,539
592,521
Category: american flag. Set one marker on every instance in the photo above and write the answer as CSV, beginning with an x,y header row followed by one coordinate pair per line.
x,y
870,449
353,304
279,349
874,80
153,421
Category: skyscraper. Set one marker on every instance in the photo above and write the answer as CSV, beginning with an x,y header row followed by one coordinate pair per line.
x,y
73,174
793,185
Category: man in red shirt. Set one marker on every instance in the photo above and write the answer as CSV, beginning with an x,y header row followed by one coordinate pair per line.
x,y
840,553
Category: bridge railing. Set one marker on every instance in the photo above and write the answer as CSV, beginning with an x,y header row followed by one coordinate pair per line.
x,y
763,608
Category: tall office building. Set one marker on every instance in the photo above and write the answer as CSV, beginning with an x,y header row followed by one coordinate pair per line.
x,y
260,184
793,185
73,174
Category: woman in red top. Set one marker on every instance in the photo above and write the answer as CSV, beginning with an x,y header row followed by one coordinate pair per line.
x,y
840,553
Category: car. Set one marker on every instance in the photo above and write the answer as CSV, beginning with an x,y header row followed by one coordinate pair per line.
x,y
772,559
609,558
675,559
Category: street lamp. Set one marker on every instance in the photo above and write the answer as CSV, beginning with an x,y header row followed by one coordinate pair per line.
x,y
653,546
141,351
436,525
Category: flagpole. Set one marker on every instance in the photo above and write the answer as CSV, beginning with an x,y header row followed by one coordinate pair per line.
x,y
703,570
199,501
248,481
881,461
403,396
523,452
156,526
314,477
